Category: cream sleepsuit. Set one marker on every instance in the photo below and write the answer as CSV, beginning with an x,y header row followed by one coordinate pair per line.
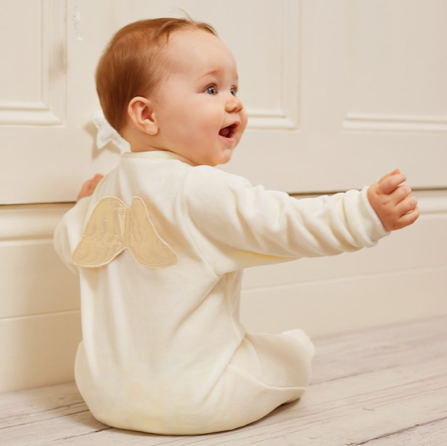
x,y
160,249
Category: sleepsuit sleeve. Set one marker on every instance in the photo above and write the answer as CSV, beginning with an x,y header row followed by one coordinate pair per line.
x,y
67,232
236,225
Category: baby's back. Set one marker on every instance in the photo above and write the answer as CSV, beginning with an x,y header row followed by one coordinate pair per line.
x,y
152,335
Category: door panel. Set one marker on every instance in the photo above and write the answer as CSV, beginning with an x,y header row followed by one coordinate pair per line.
x,y
338,93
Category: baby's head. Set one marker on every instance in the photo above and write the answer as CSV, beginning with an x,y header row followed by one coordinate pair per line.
x,y
171,84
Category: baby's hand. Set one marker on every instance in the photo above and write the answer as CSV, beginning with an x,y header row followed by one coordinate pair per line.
x,y
89,186
393,204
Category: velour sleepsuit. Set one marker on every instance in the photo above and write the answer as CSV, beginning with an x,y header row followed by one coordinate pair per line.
x,y
160,249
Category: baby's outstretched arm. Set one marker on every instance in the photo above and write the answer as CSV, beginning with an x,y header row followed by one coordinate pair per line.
x,y
236,225
393,204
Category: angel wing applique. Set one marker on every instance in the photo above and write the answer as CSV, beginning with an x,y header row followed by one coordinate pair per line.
x,y
113,227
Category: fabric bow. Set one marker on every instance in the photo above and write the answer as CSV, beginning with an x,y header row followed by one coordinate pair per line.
x,y
113,227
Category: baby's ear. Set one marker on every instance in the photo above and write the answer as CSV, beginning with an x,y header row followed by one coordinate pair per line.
x,y
141,112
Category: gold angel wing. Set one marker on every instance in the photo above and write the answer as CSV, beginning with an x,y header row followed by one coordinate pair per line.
x,y
103,237
143,240
113,227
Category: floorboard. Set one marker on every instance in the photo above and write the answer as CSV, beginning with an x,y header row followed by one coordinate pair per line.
x,y
382,386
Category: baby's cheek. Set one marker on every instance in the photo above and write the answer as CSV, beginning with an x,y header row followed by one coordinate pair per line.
x,y
210,124
244,118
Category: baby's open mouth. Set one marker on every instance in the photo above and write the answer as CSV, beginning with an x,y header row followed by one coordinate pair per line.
x,y
228,132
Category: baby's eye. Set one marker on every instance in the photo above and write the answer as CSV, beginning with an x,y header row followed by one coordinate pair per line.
x,y
211,90
233,91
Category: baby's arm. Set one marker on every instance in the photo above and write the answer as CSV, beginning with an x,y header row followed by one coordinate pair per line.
x,y
236,225
393,204
66,233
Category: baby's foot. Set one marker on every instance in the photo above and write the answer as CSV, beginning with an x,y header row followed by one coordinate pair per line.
x,y
302,336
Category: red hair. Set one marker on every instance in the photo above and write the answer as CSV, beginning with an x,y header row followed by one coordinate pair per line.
x,y
131,65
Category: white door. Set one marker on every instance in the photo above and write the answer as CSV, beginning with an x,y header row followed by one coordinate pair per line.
x,y
338,93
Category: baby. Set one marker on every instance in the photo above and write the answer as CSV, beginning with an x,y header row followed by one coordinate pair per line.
x,y
160,244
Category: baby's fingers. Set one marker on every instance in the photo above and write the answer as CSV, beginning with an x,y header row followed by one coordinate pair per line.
x,y
394,172
97,178
389,184
400,193
89,186
407,219
406,205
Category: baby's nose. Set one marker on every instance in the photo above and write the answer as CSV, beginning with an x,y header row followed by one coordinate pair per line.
x,y
234,105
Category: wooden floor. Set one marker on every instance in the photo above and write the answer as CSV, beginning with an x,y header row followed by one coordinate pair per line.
x,y
386,386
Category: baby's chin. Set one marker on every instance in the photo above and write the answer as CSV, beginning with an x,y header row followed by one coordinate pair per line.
x,y
222,158
226,156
